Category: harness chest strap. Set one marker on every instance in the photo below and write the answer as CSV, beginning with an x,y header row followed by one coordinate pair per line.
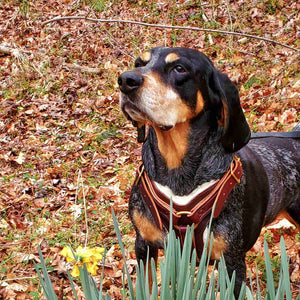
x,y
198,210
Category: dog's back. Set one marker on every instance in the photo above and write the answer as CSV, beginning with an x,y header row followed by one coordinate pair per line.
x,y
280,158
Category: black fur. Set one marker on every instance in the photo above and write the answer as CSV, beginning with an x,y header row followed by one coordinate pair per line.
x,y
271,166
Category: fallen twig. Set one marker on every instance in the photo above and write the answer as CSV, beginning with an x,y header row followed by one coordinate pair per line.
x,y
171,27
84,69
5,50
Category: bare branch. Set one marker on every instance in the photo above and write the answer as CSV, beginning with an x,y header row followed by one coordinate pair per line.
x,y
171,27
84,69
5,50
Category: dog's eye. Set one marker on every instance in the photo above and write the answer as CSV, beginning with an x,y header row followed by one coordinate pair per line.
x,y
138,64
180,69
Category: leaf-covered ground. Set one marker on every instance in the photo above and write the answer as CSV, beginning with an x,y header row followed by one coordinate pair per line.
x,y
64,141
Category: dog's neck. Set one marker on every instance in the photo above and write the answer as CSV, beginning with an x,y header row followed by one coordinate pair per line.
x,y
173,144
186,156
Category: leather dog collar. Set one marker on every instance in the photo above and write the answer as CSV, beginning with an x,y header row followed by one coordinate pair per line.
x,y
197,211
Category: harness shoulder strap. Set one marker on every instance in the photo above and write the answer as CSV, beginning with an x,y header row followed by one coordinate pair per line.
x,y
147,196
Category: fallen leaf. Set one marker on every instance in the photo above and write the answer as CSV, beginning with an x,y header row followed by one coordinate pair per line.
x,y
21,158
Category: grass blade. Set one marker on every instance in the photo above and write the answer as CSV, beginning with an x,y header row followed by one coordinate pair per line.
x,y
102,275
270,278
130,285
188,287
84,279
46,282
249,294
258,293
43,283
222,279
147,287
185,260
285,270
154,295
242,292
72,285
123,282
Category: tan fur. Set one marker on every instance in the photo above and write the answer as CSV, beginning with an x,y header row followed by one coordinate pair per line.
x,y
161,103
171,58
145,56
148,231
218,247
200,103
173,143
170,111
164,107
223,121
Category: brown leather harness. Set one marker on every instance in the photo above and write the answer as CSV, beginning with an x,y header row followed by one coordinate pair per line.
x,y
197,211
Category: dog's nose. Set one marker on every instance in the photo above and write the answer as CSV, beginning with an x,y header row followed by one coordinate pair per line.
x,y
129,81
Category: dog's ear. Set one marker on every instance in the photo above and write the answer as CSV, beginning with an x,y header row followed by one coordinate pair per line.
x,y
225,96
141,131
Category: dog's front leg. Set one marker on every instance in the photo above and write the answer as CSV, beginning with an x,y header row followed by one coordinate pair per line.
x,y
236,262
149,238
144,250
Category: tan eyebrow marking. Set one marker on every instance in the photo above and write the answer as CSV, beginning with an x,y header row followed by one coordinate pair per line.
x,y
145,56
171,58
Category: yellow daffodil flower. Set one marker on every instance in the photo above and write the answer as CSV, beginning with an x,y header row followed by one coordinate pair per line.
x,y
89,256
75,271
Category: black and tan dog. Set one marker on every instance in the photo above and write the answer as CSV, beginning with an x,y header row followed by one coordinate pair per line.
x,y
196,152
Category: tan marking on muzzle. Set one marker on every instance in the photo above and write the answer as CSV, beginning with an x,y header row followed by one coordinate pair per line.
x,y
171,58
146,56
165,104
164,107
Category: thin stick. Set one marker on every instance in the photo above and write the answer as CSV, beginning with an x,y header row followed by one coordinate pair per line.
x,y
85,209
171,27
80,181
230,20
5,50
19,278
85,214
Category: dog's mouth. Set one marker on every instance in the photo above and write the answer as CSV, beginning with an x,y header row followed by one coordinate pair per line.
x,y
132,112
136,114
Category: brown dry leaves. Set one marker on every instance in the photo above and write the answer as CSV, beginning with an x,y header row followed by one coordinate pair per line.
x,y
63,137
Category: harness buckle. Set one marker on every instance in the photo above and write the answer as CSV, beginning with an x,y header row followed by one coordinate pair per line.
x,y
184,212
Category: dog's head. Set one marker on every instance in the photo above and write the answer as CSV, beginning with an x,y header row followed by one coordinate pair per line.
x,y
174,85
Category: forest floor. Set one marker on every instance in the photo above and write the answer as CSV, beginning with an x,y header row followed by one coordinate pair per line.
x,y
64,141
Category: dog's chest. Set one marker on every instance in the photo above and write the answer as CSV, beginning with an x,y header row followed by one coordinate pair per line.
x,y
183,200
